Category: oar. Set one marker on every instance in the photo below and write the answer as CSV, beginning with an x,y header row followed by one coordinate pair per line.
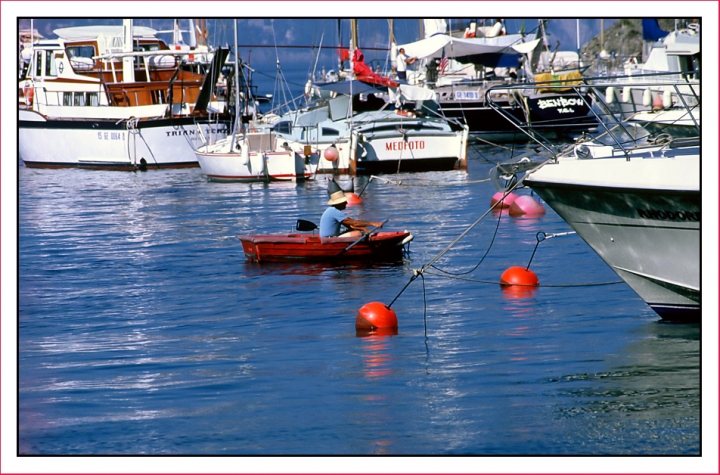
x,y
362,237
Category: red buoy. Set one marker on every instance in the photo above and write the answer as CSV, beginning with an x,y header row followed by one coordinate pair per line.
x,y
526,206
506,202
331,153
353,199
517,275
375,315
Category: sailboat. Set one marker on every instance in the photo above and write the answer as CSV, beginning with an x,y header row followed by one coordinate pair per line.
x,y
250,154
461,70
362,126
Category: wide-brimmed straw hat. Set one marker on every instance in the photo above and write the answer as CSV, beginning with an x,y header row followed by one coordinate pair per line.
x,y
337,198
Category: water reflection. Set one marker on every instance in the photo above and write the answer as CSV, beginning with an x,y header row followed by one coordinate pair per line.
x,y
136,300
518,292
377,362
653,383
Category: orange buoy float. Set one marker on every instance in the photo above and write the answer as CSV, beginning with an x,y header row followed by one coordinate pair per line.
x,y
517,275
506,202
353,199
331,153
526,206
374,315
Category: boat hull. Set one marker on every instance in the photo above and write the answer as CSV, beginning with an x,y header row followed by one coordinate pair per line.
x,y
555,115
267,166
376,154
110,144
384,246
649,236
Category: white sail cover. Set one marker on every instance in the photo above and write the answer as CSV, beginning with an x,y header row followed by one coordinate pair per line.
x,y
439,45
434,26
406,92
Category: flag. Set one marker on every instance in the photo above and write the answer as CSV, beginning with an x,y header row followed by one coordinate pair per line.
x,y
443,63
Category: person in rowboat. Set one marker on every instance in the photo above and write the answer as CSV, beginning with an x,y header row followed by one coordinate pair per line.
x,y
333,217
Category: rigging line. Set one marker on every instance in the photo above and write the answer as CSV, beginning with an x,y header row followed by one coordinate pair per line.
x,y
279,76
492,241
417,272
479,139
424,306
401,183
464,233
495,282
317,58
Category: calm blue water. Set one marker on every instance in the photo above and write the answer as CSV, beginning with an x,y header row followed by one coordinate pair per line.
x,y
143,330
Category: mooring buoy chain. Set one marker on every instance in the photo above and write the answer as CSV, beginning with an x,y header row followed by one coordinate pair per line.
x,y
543,238
419,272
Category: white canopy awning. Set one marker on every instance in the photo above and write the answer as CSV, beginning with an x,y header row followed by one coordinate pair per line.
x,y
75,33
435,46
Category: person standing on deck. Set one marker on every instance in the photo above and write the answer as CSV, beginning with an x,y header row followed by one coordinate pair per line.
x,y
402,63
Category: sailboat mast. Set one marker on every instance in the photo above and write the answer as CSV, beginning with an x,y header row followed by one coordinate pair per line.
x,y
237,90
393,47
353,45
354,35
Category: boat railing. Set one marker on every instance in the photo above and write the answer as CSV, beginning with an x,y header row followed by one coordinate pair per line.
x,y
610,122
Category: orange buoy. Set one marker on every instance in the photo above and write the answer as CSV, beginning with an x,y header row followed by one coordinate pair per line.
x,y
517,275
375,315
526,206
506,202
331,153
353,199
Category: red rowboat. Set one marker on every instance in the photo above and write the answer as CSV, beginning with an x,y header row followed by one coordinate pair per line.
x,y
311,247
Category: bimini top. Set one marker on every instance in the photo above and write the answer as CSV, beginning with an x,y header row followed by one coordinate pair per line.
x,y
77,33
439,45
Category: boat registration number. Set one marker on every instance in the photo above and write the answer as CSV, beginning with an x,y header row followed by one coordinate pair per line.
x,y
473,95
111,135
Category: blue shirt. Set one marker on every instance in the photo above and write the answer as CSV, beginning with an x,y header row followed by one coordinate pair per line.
x,y
330,222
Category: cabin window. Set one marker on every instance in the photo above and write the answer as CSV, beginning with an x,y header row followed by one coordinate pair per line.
x,y
79,99
327,132
140,60
284,127
158,97
67,98
81,57
50,67
38,63
93,99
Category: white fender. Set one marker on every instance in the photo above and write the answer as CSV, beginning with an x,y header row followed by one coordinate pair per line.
x,y
647,98
244,154
667,99
610,95
626,92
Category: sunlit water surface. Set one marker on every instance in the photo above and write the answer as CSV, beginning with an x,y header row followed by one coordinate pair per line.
x,y
143,330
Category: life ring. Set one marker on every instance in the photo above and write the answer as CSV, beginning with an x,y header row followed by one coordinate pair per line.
x,y
29,94
405,113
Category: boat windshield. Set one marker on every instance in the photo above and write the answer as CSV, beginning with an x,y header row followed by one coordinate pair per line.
x,y
626,134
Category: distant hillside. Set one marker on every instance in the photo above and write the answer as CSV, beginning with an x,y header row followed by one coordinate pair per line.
x,y
624,38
